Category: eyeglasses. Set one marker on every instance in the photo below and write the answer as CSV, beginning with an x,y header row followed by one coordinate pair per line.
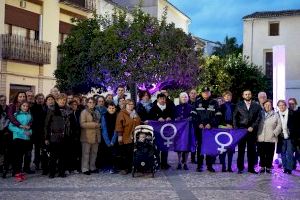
x,y
131,104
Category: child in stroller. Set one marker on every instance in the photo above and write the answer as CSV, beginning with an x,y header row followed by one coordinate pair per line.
x,y
144,158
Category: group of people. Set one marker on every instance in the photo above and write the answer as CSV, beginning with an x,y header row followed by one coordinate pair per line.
x,y
75,134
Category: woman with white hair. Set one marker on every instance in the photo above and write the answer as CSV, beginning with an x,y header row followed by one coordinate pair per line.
x,y
183,111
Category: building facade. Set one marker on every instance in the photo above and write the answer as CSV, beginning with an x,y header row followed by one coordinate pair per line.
x,y
272,40
31,30
156,9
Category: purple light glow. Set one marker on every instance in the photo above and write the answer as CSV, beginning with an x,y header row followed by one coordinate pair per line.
x,y
278,73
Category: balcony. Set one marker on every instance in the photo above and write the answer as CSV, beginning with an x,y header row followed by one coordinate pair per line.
x,y
88,5
19,48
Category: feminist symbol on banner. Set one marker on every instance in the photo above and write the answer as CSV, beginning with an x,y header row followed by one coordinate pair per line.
x,y
222,145
168,139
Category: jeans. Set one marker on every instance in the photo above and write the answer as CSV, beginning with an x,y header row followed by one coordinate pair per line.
x,y
287,154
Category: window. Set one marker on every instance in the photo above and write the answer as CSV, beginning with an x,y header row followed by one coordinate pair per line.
x,y
274,29
16,30
269,64
62,38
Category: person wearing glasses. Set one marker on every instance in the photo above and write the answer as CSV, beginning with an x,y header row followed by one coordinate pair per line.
x,y
90,137
127,120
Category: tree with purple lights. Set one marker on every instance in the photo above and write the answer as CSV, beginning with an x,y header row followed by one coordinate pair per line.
x,y
124,50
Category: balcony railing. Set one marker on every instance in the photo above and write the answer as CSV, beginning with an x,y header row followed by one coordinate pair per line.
x,y
15,47
86,4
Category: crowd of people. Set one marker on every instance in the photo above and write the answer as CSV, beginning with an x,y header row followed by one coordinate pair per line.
x,y
76,134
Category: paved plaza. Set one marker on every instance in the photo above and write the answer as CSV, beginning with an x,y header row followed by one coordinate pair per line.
x,y
170,184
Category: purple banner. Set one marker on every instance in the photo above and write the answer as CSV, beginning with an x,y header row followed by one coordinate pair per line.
x,y
174,135
217,141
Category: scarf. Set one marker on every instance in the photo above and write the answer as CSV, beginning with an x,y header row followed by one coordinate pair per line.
x,y
162,107
284,123
95,114
147,105
132,114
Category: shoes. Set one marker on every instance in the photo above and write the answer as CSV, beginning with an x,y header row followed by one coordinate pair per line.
x,y
96,171
224,169
262,170
199,169
179,166
87,173
112,171
240,171
29,171
211,169
229,170
4,174
19,177
165,166
193,161
62,175
51,176
287,171
185,167
124,172
45,173
252,171
268,171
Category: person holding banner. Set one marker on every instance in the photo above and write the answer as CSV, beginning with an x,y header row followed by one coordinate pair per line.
x,y
227,120
207,112
192,101
183,111
247,115
162,111
268,131
127,120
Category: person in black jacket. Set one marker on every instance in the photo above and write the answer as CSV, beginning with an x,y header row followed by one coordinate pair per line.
x,y
73,144
144,106
5,138
247,115
293,105
227,109
192,101
288,137
57,127
162,111
38,112
206,116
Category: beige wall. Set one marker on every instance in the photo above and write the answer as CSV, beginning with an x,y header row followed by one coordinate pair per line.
x,y
173,16
289,31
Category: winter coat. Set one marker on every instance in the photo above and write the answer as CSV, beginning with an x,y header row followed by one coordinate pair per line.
x,y
39,114
23,118
269,127
125,126
90,127
183,111
57,125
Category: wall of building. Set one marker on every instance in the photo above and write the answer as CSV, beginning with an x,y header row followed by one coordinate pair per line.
x,y
257,42
173,15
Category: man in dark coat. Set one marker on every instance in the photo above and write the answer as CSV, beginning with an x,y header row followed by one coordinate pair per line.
x,y
162,111
206,114
247,115
38,112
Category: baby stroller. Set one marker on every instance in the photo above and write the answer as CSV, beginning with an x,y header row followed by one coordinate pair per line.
x,y
144,158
